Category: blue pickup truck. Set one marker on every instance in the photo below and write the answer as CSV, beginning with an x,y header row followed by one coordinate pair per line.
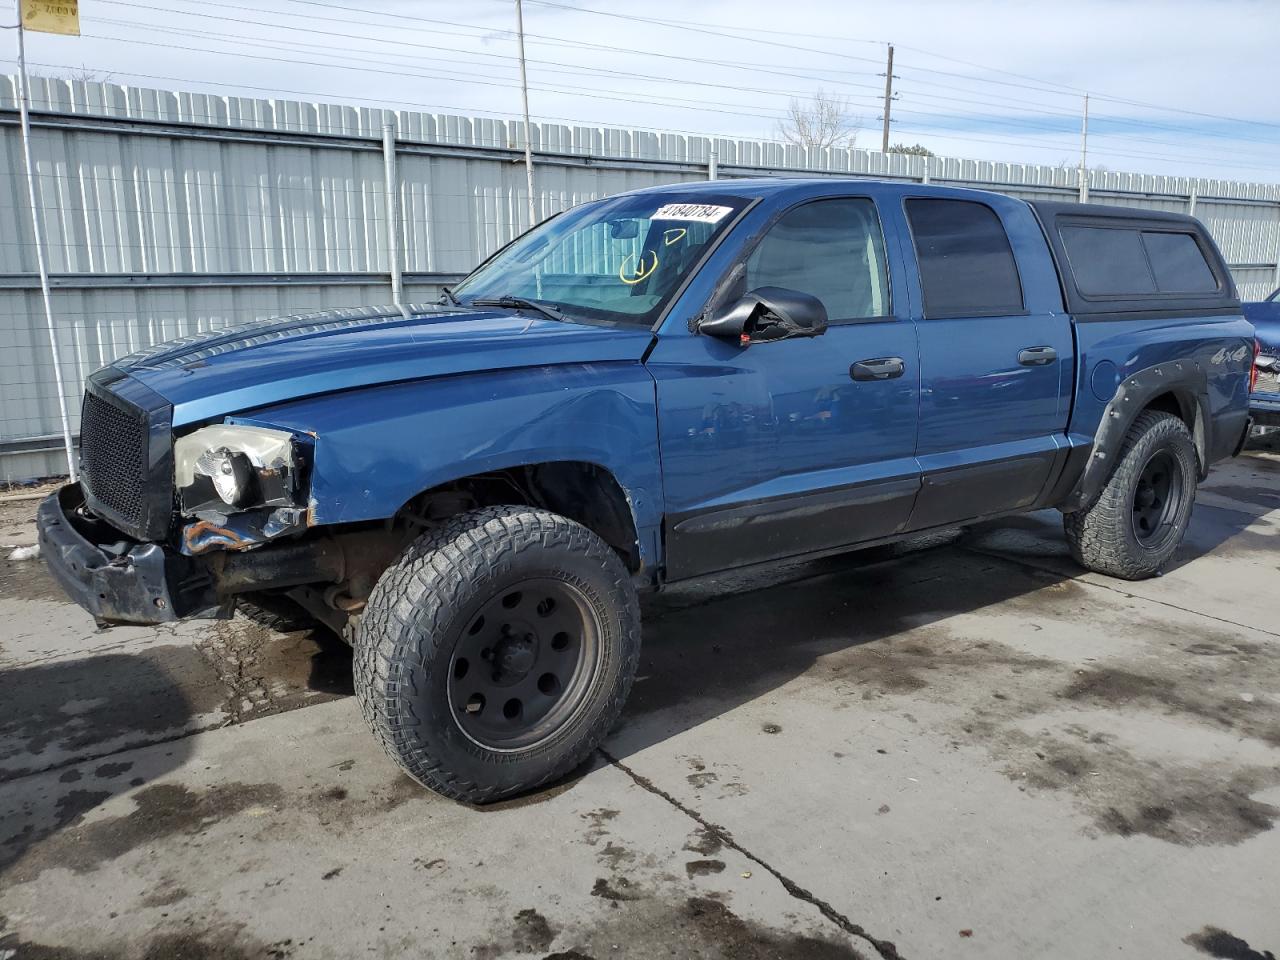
x,y
648,388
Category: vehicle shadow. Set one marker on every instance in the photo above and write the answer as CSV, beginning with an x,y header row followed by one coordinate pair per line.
x,y
707,650
714,645
63,726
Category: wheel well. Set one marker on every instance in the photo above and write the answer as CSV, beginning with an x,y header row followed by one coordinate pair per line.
x,y
583,492
1183,405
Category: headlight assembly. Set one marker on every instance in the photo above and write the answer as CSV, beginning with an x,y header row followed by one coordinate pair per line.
x,y
226,469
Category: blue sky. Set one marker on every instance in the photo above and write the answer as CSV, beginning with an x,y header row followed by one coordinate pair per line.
x,y
989,79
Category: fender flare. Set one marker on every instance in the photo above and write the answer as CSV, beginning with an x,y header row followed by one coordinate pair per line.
x,y
1185,379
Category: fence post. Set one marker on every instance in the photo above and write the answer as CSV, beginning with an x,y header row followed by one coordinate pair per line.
x,y
1191,202
1275,277
37,235
393,215
713,164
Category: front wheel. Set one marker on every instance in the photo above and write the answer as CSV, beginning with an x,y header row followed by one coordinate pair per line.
x,y
497,652
1141,516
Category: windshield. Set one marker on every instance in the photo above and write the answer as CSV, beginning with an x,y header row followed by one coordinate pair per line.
x,y
620,259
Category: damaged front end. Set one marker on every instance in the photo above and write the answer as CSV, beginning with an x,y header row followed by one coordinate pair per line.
x,y
240,486
241,527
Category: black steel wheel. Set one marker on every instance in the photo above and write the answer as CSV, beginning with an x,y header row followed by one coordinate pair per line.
x,y
524,664
1157,499
1140,517
497,652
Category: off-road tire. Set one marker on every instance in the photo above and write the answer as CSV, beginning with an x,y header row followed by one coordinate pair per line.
x,y
275,612
1102,537
406,637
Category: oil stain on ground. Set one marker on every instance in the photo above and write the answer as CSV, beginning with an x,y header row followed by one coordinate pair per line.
x,y
206,944
161,811
1217,678
62,711
694,927
1217,943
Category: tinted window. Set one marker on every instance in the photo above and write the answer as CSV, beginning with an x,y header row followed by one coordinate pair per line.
x,y
966,263
1108,262
1127,261
1178,263
831,249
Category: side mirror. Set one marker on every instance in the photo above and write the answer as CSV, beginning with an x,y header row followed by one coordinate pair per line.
x,y
767,313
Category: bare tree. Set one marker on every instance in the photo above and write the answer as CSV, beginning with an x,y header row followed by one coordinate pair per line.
x,y
82,73
822,121
914,149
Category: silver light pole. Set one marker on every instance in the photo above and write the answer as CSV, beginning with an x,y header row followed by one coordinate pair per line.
x,y
524,93
1084,152
37,232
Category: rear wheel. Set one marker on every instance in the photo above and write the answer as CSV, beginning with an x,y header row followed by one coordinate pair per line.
x,y
1141,516
497,652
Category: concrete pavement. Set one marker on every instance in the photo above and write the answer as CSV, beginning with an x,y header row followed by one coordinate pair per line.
x,y
965,748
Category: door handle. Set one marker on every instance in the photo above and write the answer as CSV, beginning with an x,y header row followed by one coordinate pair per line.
x,y
1037,356
883,368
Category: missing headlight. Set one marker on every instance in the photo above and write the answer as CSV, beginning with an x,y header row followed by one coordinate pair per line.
x,y
227,468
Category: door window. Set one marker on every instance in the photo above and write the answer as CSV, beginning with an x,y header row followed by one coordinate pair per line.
x,y
966,264
830,249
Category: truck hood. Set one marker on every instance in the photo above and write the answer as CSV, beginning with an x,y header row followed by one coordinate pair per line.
x,y
263,362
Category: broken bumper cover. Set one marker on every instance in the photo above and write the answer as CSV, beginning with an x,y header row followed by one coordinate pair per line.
x,y
116,579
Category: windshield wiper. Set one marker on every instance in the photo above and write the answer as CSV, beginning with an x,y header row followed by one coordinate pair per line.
x,y
447,294
520,303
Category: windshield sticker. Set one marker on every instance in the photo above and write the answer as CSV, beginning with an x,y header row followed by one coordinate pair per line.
x,y
634,269
699,212
674,235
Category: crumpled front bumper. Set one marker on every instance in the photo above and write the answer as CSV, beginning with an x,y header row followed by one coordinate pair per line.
x,y
116,579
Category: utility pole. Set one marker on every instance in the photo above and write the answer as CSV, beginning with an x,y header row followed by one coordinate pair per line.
x,y
888,99
1084,153
37,234
524,93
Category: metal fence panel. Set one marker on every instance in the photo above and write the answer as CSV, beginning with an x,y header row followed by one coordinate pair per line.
x,y
168,213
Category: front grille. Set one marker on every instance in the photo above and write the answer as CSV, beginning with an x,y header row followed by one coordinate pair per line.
x,y
1268,381
113,459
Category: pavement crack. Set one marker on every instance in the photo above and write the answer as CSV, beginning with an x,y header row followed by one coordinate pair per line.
x,y
885,948
1042,568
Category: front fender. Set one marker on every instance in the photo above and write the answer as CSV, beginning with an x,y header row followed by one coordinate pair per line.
x,y
377,447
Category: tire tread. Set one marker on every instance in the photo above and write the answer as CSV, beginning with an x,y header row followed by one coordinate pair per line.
x,y
1098,536
411,607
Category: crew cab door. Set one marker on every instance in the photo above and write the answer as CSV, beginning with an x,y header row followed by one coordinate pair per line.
x,y
783,448
996,358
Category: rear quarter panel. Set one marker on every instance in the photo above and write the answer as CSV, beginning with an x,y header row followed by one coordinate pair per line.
x,y
1219,347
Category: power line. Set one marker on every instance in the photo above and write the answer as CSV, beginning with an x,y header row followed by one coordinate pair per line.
x,y
700,105
598,93
1046,84
569,69
347,35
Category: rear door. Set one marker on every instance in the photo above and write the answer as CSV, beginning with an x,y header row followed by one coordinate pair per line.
x,y
996,358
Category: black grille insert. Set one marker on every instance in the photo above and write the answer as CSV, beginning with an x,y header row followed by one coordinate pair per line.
x,y
113,459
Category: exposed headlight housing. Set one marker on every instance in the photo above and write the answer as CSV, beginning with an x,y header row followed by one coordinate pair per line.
x,y
231,468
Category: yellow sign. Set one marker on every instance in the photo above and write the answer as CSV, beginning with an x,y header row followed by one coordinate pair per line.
x,y
52,16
